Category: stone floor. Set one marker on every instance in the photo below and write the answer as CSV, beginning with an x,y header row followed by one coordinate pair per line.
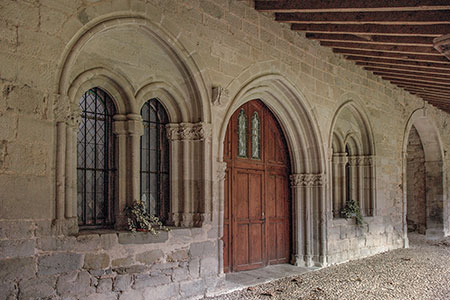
x,y
420,272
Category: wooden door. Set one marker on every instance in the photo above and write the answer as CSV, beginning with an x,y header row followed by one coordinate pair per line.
x,y
257,199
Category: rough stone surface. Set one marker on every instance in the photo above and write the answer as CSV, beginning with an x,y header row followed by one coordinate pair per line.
x,y
145,280
149,257
74,284
122,283
17,268
96,261
37,288
59,263
142,238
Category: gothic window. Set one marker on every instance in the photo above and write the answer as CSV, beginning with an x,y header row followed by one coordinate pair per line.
x,y
242,134
154,173
256,136
95,160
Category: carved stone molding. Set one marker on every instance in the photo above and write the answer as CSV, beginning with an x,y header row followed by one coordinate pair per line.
x,y
221,171
189,131
365,160
220,95
340,158
61,108
298,180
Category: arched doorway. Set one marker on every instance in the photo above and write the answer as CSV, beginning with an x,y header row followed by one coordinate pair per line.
x,y
257,218
423,179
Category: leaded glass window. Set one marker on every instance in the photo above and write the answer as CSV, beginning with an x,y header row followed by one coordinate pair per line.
x,y
242,134
95,159
256,136
155,160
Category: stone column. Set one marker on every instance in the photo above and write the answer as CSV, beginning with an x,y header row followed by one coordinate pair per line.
x,y
120,131
60,169
339,191
135,129
220,187
306,189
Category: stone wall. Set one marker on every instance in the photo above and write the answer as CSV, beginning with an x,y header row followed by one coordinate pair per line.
x,y
225,45
35,263
416,215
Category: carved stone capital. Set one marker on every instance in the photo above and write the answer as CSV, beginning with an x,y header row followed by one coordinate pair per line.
x,y
74,117
188,131
340,158
221,171
134,125
220,95
61,108
366,160
307,180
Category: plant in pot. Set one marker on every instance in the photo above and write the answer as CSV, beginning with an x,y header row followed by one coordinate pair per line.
x,y
139,219
352,210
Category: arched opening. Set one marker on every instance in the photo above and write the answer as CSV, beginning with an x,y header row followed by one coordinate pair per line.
x,y
423,172
257,219
353,170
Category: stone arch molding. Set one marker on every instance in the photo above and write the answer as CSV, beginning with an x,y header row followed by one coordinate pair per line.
x,y
436,196
360,160
185,99
297,120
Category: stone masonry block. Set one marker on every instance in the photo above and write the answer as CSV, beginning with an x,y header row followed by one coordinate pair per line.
x,y
146,280
37,288
178,255
122,262
149,257
122,283
9,290
59,263
162,292
96,261
131,295
142,237
16,229
192,288
104,285
74,284
209,266
15,268
202,249
16,248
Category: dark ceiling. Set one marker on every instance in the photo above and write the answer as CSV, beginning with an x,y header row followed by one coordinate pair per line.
x,y
405,42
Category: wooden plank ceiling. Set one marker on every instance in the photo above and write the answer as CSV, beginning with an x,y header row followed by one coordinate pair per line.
x,y
394,39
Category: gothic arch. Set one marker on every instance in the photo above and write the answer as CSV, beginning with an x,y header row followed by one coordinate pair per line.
x,y
436,195
351,122
295,117
196,79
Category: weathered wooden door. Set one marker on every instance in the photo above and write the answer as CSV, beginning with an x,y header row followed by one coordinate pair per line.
x,y
257,199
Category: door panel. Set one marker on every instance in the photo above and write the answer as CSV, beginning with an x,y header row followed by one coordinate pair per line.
x,y
257,200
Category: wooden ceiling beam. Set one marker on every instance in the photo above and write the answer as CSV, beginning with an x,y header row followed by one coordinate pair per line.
x,y
396,61
374,29
385,17
416,84
415,78
376,39
398,65
422,90
385,48
426,94
410,71
394,56
350,5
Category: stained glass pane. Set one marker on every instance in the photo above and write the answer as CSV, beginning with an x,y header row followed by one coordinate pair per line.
x,y
256,137
242,134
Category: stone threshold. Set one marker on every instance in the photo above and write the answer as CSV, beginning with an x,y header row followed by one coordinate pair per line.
x,y
241,280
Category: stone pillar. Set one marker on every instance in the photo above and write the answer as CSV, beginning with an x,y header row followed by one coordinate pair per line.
x,y
220,186
135,129
434,199
60,169
187,142
120,131
306,190
339,191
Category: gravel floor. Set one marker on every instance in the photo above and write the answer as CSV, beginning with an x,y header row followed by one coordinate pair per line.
x,y
420,272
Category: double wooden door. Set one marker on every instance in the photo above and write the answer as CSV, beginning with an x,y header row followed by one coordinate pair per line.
x,y
257,198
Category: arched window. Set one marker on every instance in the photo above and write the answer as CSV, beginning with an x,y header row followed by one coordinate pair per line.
x,y
155,160
95,160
